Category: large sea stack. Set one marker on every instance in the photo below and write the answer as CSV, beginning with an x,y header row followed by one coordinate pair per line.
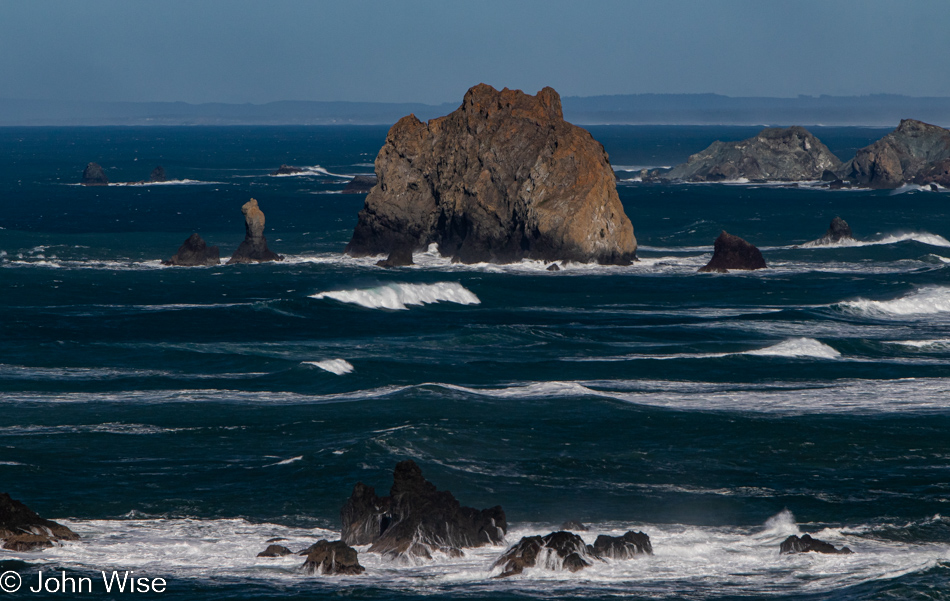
x,y
732,252
194,252
21,529
502,178
254,247
914,148
776,154
93,175
416,519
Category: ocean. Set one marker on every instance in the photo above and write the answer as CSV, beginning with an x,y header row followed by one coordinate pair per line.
x,y
178,418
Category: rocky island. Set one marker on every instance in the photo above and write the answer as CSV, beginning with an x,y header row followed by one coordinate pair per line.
x,y
194,251
93,175
502,178
915,151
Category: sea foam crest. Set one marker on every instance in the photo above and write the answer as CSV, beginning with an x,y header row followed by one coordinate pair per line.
x,y
929,300
797,347
334,366
398,296
921,237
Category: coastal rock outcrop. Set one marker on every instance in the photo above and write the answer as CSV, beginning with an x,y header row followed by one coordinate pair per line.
x,y
330,558
416,519
287,170
838,230
502,178
254,247
157,175
93,175
899,157
360,184
732,252
193,252
555,551
400,256
22,529
935,173
627,546
806,544
275,551
776,154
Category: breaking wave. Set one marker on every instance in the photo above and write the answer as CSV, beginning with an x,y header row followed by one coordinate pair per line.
x,y
798,347
929,300
398,296
921,237
334,366
312,171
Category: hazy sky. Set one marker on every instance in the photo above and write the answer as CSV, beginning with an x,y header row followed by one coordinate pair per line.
x,y
432,51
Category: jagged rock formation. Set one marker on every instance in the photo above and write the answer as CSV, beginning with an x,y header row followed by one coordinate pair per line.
x,y
899,157
275,551
806,543
416,519
502,178
21,529
732,252
776,154
555,551
157,175
329,558
623,547
195,251
93,175
254,247
838,230
287,170
360,184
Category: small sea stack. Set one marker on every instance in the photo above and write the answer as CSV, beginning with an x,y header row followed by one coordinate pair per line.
x,y
195,252
838,230
22,529
807,544
254,247
360,184
158,175
555,551
732,252
331,558
93,175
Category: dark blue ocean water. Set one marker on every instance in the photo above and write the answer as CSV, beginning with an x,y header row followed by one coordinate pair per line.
x,y
177,418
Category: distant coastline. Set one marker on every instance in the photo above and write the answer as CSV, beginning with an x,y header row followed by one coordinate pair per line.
x,y
878,110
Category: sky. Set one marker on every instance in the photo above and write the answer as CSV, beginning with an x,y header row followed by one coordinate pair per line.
x,y
431,51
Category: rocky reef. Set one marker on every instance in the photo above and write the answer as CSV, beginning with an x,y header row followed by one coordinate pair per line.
x,y
838,230
275,551
22,529
567,551
93,175
287,170
194,252
416,519
360,184
732,252
627,546
254,247
776,154
502,178
330,558
913,149
807,544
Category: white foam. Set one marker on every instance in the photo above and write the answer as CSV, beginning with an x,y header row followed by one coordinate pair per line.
x,y
288,461
941,344
798,347
895,238
312,171
398,296
171,182
911,188
929,300
334,366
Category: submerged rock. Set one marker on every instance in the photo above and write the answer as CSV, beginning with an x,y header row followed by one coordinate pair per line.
x,y
416,519
623,547
573,525
899,157
329,558
806,544
360,184
553,267
555,551
21,529
275,551
93,175
157,175
195,251
732,252
502,178
838,230
776,154
287,170
254,247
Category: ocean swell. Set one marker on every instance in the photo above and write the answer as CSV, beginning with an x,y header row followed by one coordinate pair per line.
x,y
400,296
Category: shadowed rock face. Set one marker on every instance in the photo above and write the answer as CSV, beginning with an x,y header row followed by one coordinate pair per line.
x,y
22,529
776,154
899,157
837,231
333,558
195,251
502,178
623,547
935,173
555,551
400,256
93,175
254,247
275,551
416,519
360,184
806,544
732,252
157,175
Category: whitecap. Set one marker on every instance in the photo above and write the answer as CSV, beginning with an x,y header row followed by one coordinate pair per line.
x,y
929,300
398,296
895,238
335,366
941,344
311,171
798,347
286,461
